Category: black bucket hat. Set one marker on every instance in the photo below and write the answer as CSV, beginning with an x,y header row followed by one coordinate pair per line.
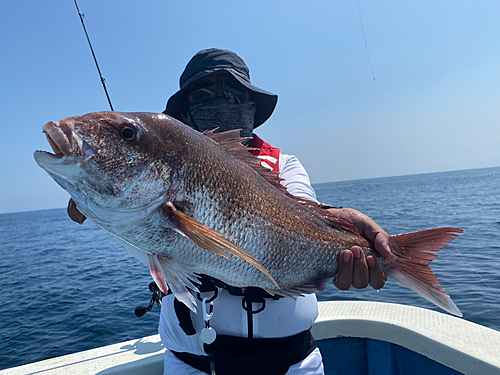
x,y
216,61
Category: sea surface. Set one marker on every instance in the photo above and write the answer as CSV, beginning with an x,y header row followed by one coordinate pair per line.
x,y
67,288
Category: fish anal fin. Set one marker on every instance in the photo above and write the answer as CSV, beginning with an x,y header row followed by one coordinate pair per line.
x,y
409,263
208,238
314,286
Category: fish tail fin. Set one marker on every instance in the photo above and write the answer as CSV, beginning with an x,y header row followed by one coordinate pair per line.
x,y
409,263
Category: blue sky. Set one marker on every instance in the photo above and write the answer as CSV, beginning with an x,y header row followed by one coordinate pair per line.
x,y
434,105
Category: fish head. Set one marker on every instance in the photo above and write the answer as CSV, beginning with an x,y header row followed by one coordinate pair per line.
x,y
116,166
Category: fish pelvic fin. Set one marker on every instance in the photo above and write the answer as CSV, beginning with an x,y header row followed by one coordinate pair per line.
x,y
170,274
409,263
208,238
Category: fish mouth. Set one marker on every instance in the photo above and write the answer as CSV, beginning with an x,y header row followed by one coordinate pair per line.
x,y
67,146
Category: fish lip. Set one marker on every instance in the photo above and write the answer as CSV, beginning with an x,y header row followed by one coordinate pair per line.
x,y
66,144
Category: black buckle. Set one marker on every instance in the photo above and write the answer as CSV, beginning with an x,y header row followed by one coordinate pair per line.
x,y
251,295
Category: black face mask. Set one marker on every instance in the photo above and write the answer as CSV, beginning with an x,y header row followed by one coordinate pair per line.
x,y
219,113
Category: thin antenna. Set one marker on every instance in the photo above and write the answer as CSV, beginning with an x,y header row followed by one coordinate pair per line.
x,y
364,38
103,81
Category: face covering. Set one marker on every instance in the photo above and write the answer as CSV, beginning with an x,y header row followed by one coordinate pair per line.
x,y
219,113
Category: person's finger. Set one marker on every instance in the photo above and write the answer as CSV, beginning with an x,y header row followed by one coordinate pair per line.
x,y
360,276
377,276
343,281
368,228
381,243
374,233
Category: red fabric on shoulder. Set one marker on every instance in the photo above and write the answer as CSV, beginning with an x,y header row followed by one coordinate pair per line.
x,y
269,155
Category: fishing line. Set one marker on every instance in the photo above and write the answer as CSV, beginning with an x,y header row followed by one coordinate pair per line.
x,y
455,248
103,81
472,268
452,245
401,149
364,38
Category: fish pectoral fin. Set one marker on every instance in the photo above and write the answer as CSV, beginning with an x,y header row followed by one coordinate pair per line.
x,y
176,276
208,239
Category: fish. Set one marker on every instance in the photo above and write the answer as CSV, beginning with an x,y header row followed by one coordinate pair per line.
x,y
202,203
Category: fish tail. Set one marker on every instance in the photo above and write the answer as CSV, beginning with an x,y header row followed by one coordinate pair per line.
x,y
409,263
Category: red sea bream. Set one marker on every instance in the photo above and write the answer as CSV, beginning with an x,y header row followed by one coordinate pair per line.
x,y
202,204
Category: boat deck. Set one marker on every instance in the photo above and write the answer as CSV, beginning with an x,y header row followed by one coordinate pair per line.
x,y
449,342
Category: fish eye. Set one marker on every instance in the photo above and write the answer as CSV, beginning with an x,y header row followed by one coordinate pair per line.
x,y
129,133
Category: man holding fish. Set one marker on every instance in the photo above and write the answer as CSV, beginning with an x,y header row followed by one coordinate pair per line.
x,y
257,333
209,214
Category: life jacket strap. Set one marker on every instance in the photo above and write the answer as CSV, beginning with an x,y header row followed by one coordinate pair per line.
x,y
264,356
183,315
209,284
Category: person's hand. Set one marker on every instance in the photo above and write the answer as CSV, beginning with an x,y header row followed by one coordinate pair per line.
x,y
354,269
73,212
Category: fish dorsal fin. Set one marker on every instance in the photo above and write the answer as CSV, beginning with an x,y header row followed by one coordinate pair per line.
x,y
332,220
232,141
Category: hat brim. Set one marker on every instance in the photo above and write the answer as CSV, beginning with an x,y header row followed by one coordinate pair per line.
x,y
265,102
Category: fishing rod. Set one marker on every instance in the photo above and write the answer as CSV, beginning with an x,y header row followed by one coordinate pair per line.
x,y
103,81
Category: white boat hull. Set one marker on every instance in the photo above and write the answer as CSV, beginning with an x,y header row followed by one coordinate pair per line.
x,y
451,342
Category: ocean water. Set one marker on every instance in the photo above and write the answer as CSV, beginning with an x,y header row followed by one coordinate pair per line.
x,y
67,288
